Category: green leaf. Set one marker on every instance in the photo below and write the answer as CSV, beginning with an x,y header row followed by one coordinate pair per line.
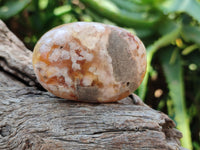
x,y
165,40
143,33
111,11
12,7
43,4
189,49
167,26
61,10
191,7
131,6
191,34
174,77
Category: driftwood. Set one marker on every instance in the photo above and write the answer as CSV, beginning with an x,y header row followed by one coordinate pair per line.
x,y
37,120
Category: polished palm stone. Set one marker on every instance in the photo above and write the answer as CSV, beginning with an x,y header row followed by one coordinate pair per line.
x,y
89,62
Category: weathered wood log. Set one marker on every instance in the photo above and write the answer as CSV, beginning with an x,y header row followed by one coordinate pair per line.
x,y
15,58
37,120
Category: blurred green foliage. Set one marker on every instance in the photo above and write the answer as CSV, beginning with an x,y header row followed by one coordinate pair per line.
x,y
170,30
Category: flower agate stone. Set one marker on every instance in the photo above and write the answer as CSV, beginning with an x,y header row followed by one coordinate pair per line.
x,y
89,62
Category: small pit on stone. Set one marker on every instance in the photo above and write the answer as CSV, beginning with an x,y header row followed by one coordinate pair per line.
x,y
128,83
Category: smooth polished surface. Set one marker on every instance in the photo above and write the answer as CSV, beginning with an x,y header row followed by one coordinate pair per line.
x,y
89,62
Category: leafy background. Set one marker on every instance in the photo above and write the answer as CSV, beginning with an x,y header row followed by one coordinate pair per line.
x,y
170,30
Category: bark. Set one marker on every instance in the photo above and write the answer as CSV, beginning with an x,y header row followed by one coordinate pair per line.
x,y
15,58
37,120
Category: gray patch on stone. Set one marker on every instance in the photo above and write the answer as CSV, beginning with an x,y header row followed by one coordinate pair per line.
x,y
128,86
87,94
132,86
124,66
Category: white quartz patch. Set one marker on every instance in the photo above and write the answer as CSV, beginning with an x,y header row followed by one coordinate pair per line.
x,y
84,55
82,25
51,71
55,55
107,93
65,55
57,36
41,68
63,72
89,37
87,80
60,90
59,54
75,66
60,37
99,27
45,47
92,69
